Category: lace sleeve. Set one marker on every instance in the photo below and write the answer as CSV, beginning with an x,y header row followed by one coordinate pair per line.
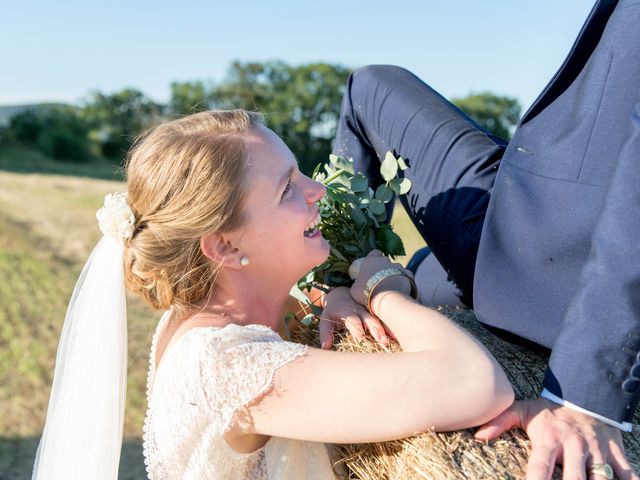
x,y
236,374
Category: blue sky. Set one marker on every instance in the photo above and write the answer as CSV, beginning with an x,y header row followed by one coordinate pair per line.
x,y
60,50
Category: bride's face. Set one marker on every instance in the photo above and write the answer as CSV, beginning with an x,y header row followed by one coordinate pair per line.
x,y
280,207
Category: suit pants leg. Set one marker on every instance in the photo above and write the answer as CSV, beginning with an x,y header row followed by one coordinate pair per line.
x,y
452,163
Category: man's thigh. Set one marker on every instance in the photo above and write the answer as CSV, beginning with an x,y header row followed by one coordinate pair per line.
x,y
452,161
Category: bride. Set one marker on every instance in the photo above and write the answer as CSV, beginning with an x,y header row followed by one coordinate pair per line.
x,y
217,225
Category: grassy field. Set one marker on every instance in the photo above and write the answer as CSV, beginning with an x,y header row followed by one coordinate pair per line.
x,y
21,160
47,230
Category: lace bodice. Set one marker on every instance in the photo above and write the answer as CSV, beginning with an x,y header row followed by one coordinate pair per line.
x,y
203,379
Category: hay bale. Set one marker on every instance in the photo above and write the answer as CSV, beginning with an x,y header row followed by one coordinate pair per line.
x,y
452,455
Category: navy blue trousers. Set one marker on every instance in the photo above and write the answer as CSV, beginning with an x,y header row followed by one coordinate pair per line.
x,y
452,164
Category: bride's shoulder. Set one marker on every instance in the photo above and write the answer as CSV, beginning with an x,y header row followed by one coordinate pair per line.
x,y
232,335
229,336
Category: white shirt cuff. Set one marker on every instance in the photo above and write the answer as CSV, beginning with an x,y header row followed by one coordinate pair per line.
x,y
624,426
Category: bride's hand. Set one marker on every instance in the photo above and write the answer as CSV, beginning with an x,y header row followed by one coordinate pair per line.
x,y
369,266
340,311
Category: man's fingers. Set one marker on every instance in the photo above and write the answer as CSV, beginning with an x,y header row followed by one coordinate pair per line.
x,y
542,462
620,464
574,458
598,455
373,325
506,420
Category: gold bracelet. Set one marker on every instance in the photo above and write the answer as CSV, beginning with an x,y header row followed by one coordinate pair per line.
x,y
378,277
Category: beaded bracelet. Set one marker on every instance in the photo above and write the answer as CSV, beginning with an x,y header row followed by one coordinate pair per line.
x,y
378,277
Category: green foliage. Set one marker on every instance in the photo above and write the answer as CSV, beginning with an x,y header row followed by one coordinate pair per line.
x,y
64,135
26,126
116,119
497,114
58,132
189,97
353,217
301,103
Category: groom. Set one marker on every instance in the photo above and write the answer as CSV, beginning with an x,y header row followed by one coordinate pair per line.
x,y
541,236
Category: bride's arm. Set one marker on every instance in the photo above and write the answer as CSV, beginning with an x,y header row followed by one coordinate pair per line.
x,y
444,380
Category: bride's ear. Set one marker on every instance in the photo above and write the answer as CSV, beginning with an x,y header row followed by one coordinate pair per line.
x,y
219,249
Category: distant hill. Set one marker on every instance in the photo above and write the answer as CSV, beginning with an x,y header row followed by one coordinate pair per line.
x,y
8,111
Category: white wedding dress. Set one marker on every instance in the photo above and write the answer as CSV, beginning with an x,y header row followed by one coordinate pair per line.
x,y
204,377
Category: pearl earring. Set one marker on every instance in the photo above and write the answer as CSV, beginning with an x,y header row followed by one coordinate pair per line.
x,y
244,261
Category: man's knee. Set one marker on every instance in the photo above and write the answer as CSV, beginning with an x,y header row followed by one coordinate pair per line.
x,y
371,75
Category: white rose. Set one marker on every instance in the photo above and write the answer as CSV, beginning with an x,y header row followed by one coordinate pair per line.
x,y
115,218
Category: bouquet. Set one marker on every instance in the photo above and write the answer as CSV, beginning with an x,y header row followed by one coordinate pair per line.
x,y
353,220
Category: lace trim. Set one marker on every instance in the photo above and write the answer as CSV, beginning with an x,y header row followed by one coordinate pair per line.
x,y
294,351
150,375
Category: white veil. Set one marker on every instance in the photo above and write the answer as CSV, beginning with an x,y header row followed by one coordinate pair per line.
x,y
82,436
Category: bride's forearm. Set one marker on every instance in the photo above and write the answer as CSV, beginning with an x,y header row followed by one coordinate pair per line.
x,y
415,326
421,329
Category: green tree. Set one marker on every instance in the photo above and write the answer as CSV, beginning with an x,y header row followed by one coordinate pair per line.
x,y
189,97
57,131
25,127
498,115
116,119
64,135
300,103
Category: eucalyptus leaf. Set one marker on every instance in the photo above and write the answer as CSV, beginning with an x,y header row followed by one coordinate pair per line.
x,y
394,184
298,294
344,164
351,198
377,207
405,186
351,217
402,164
384,193
358,217
389,167
359,183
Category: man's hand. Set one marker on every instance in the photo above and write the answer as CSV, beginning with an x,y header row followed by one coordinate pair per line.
x,y
561,435
340,311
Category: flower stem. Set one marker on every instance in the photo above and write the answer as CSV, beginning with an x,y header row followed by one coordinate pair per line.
x,y
334,176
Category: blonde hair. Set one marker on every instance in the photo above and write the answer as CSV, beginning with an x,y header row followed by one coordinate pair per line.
x,y
184,180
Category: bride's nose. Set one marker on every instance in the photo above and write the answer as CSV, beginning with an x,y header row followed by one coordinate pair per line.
x,y
314,191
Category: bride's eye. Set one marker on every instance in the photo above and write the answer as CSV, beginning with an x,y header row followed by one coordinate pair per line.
x,y
287,189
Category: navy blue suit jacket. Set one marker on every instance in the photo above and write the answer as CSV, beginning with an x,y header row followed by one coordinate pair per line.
x,y
559,257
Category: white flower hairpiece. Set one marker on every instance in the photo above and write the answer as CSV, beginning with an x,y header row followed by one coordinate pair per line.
x,y
115,218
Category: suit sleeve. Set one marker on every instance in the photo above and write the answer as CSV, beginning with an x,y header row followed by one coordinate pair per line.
x,y
595,362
